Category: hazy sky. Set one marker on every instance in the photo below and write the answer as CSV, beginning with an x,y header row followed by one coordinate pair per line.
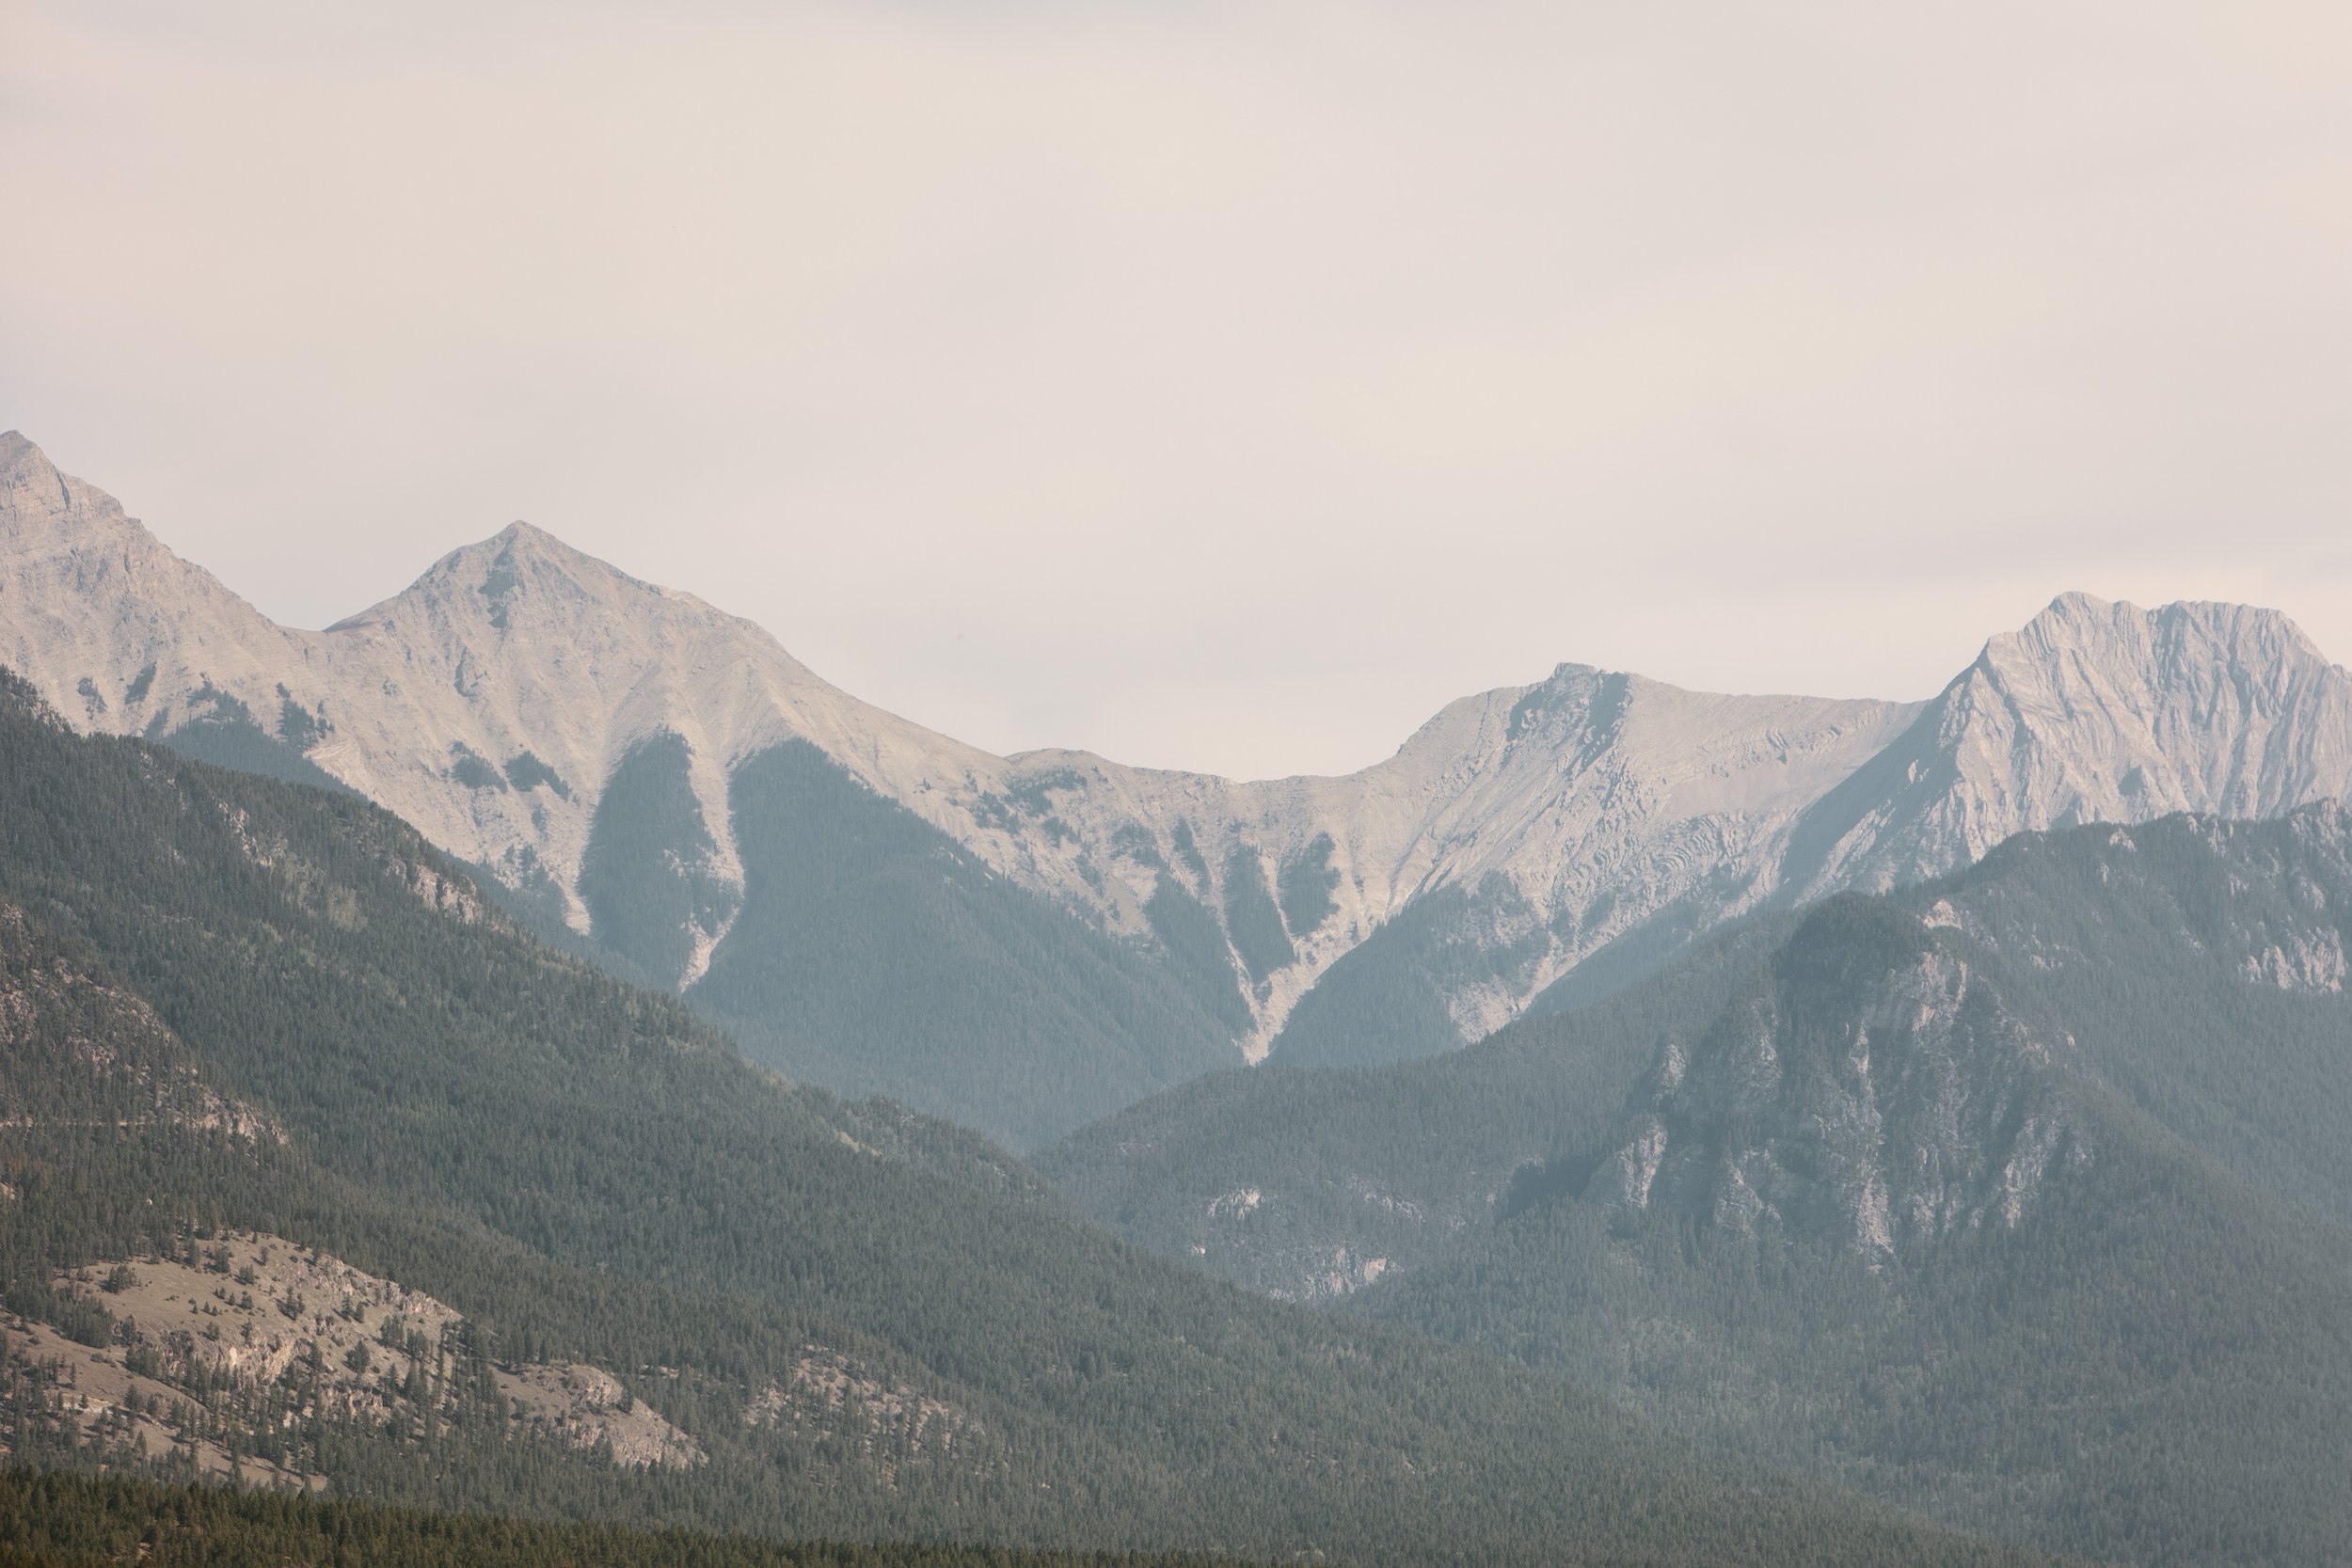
x,y
1218,385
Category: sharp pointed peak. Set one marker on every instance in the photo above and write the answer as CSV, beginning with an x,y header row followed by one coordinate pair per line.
x,y
518,546
522,532
520,563
522,538
17,452
2075,603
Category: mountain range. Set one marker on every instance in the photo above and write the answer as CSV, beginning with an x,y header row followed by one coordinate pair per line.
x,y
1686,1127
663,786
317,1171
2019,1196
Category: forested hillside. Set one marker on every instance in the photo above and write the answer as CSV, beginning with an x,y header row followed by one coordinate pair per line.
x,y
2010,1198
588,1176
63,1521
1295,1181
2200,967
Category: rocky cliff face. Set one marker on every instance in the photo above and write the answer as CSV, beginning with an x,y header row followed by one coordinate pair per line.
x,y
2094,712
2199,967
120,634
1872,1092
499,699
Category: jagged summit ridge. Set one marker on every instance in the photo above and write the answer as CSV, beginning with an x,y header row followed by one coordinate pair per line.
x,y
1527,829
2095,712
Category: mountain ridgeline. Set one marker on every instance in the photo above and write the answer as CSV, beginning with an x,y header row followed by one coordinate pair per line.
x,y
321,1172
2017,1197
1069,933
1670,1127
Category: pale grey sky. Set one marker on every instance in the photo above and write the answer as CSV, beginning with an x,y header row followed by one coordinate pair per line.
x,y
1222,384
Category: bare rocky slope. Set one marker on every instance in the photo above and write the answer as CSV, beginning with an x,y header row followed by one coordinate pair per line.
x,y
201,1346
597,743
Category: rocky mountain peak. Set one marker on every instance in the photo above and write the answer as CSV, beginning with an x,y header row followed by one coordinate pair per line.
x,y
17,454
41,508
2082,641
485,584
2093,711
118,633
2109,711
521,546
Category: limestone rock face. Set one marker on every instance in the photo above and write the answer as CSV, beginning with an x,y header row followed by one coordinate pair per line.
x,y
120,635
2094,712
1874,1093
1516,835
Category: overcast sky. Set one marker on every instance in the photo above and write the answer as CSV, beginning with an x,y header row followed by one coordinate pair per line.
x,y
1214,384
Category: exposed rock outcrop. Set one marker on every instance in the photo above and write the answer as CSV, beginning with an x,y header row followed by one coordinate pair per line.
x,y
1872,1092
